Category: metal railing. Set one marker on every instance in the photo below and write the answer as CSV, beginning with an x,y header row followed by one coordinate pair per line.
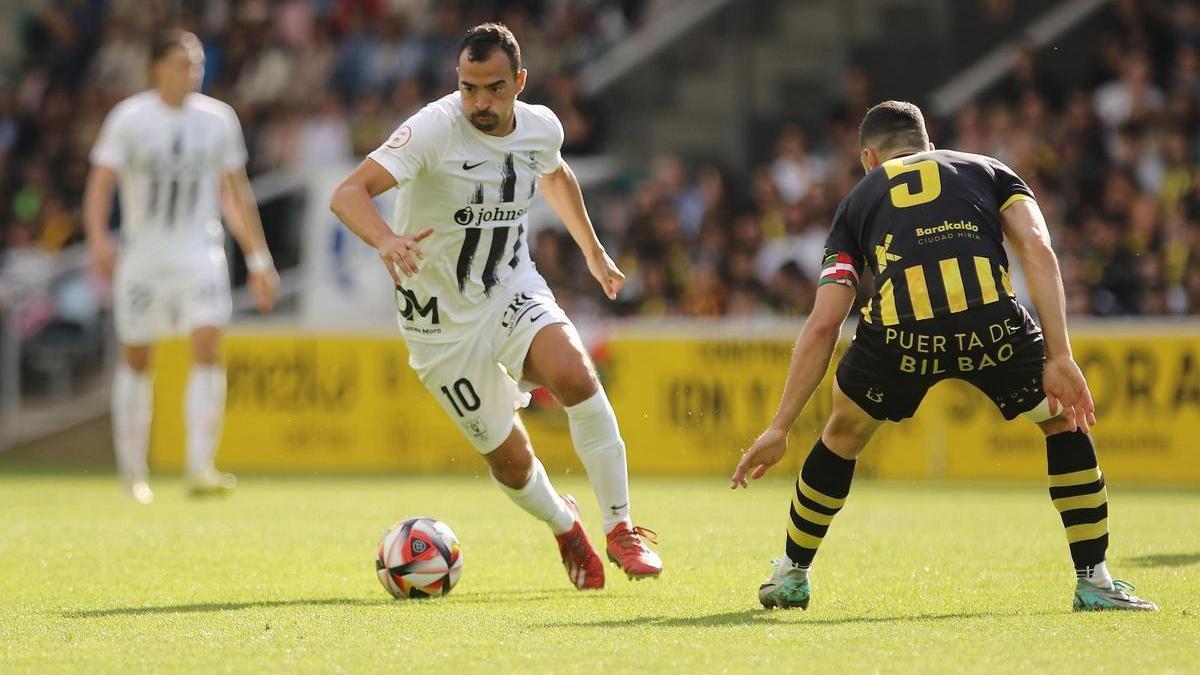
x,y
24,417
664,28
18,295
988,70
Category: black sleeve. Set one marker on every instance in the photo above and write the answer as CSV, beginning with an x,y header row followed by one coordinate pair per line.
x,y
843,260
1009,186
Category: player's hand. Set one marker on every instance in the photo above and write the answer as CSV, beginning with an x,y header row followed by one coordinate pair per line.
x,y
1067,392
264,286
104,255
402,253
606,272
767,450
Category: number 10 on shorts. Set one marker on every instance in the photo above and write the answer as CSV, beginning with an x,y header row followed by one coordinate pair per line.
x,y
462,397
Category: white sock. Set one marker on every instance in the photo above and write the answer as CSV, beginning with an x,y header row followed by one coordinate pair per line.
x,y
539,500
785,564
204,406
599,446
1097,575
132,403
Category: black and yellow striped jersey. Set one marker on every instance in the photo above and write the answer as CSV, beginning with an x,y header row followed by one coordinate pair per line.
x,y
928,225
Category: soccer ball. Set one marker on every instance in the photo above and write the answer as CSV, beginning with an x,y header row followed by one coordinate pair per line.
x,y
419,558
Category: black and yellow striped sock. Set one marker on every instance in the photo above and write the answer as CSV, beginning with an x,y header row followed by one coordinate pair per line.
x,y
820,493
1077,488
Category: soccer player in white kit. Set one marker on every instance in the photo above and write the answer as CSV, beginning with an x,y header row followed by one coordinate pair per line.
x,y
481,325
178,158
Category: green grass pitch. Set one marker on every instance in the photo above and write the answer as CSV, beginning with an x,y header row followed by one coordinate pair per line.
x,y
280,577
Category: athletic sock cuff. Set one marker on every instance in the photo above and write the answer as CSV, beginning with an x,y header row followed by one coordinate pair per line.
x,y
124,370
1068,452
595,403
827,472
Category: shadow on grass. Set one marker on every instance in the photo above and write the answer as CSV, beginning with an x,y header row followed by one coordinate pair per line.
x,y
499,596
203,607
1164,560
752,617
534,596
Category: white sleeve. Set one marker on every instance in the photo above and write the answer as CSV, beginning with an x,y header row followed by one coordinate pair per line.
x,y
415,147
550,157
109,149
233,154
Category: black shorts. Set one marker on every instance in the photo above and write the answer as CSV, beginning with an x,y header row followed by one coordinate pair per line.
x,y
997,347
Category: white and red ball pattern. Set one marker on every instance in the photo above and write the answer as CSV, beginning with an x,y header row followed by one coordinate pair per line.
x,y
419,558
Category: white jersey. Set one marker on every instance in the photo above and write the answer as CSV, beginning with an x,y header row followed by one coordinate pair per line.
x,y
474,190
169,162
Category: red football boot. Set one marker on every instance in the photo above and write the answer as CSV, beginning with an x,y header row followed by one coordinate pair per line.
x,y
627,550
584,567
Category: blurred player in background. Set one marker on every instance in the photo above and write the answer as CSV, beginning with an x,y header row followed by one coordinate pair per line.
x,y
179,159
930,224
481,325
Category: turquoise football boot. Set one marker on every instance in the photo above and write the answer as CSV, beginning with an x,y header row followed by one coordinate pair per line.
x,y
787,588
1092,598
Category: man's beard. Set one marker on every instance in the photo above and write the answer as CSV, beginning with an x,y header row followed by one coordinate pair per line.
x,y
485,122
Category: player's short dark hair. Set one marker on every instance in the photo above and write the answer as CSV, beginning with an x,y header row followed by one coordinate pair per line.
x,y
893,125
479,41
168,39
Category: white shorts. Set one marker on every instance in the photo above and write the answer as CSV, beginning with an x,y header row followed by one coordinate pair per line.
x,y
478,380
153,300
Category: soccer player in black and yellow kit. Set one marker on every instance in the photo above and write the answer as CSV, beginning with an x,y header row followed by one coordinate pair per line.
x,y
930,225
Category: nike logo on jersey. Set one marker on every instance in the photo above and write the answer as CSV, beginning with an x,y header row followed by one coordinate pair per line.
x,y
468,167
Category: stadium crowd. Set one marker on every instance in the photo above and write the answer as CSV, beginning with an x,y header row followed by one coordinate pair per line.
x,y
1112,157
314,83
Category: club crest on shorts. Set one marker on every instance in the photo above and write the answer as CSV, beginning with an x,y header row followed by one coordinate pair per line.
x,y
476,428
139,299
874,394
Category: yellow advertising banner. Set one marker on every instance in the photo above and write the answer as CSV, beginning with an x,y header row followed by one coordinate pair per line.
x,y
1147,395
692,406
312,403
318,403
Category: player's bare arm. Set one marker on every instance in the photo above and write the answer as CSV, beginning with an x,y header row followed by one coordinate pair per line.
x,y
1066,389
97,208
351,203
242,219
810,361
561,189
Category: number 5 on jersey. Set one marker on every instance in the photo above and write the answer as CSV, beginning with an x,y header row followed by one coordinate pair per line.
x,y
928,180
